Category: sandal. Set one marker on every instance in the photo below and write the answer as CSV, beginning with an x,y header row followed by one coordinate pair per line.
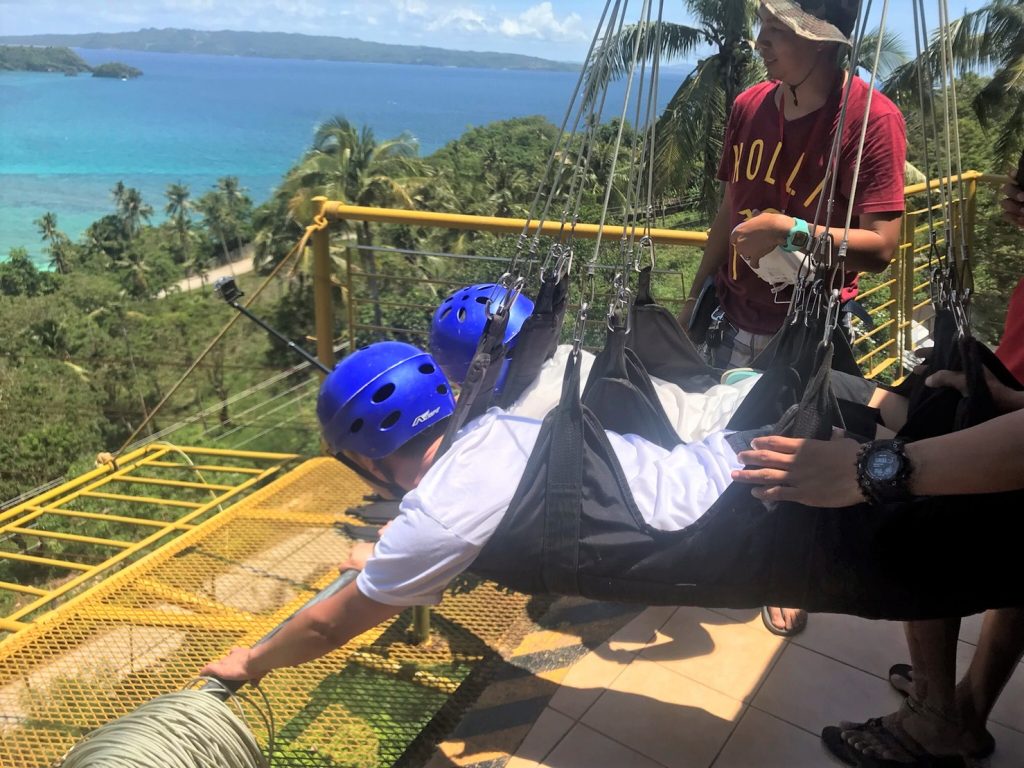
x,y
901,678
834,739
796,629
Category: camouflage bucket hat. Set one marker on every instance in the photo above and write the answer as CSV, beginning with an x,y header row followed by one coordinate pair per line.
x,y
821,20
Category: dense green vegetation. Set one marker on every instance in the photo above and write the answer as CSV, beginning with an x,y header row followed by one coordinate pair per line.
x,y
28,58
117,70
282,45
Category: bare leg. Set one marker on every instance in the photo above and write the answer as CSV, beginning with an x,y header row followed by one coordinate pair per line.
x,y
930,718
1000,648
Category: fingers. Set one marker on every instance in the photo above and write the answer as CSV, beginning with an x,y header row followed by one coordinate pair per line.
x,y
775,493
778,443
760,476
957,381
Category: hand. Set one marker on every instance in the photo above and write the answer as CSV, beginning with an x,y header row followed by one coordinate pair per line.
x,y
760,235
818,473
236,665
1005,399
358,556
1013,201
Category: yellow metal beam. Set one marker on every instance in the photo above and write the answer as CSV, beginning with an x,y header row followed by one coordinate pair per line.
x,y
70,565
204,467
76,537
21,588
172,483
498,225
9,625
141,499
104,516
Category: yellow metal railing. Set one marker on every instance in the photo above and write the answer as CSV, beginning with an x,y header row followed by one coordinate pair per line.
x,y
114,515
148,628
897,299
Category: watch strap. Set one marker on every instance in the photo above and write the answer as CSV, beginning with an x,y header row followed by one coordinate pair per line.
x,y
894,490
799,225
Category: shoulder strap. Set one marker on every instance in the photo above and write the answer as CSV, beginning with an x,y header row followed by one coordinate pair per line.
x,y
478,388
537,340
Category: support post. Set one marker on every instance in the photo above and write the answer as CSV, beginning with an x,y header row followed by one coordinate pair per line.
x,y
323,310
420,624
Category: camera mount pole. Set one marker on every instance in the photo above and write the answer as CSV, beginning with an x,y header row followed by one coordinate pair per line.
x,y
228,289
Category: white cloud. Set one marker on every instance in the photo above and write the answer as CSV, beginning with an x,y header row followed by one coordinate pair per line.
x,y
461,20
539,22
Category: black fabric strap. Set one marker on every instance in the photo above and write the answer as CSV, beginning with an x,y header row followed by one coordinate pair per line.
x,y
564,488
478,388
537,340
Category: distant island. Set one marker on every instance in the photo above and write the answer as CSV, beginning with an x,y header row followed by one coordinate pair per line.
x,y
28,58
284,45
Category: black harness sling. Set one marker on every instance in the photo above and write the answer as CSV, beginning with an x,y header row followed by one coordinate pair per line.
x,y
574,528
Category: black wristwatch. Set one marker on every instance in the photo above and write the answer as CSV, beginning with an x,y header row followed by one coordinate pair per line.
x,y
883,471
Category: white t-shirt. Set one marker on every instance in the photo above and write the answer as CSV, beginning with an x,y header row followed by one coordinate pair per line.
x,y
694,415
446,521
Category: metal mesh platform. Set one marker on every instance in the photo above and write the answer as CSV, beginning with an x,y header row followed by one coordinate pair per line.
x,y
149,628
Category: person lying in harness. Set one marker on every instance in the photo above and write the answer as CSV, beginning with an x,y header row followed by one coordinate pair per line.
x,y
384,407
458,323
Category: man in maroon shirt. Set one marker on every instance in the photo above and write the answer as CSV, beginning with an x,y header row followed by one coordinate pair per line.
x,y
774,159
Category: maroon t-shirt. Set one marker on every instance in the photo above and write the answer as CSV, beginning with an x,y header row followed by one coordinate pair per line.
x,y
773,164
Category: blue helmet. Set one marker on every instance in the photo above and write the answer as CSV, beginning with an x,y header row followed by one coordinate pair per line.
x,y
459,321
380,397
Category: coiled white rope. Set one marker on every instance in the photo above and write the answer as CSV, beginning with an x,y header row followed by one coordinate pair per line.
x,y
187,729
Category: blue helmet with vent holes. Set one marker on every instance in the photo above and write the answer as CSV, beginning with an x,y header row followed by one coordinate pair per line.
x,y
380,397
459,322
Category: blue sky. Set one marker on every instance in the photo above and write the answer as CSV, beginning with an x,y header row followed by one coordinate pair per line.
x,y
554,29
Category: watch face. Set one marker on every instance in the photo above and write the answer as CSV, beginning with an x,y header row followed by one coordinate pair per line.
x,y
801,239
883,465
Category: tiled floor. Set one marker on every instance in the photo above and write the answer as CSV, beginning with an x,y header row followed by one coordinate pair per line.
x,y
696,688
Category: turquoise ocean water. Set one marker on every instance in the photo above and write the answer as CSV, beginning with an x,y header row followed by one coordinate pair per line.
x,y
65,141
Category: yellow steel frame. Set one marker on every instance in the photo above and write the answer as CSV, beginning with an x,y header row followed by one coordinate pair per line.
x,y
35,517
888,341
147,628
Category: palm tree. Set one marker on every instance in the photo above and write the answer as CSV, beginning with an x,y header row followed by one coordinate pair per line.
x,y
215,217
178,209
59,242
118,193
990,39
235,205
689,133
133,211
349,164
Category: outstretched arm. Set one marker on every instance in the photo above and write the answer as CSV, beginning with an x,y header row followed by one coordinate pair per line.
x,y
310,634
986,458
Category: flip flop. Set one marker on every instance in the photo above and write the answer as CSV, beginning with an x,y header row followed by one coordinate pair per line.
x,y
766,618
838,747
902,680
